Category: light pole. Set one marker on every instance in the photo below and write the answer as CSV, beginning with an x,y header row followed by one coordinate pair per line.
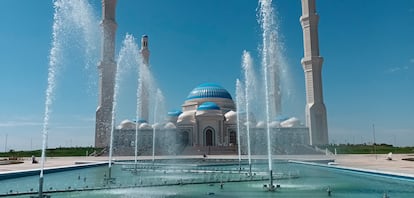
x,y
375,149
5,144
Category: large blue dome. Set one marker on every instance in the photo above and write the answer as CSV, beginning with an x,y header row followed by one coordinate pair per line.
x,y
209,90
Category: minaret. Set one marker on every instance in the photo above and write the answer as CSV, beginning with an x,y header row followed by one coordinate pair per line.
x,y
312,66
144,95
145,53
107,70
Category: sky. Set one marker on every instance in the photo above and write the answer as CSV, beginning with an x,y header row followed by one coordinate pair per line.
x,y
367,46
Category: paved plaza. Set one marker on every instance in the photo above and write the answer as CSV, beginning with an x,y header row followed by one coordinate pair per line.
x,y
359,161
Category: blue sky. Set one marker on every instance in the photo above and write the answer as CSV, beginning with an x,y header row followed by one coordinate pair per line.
x,y
368,69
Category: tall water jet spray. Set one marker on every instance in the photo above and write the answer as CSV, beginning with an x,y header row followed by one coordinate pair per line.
x,y
148,95
159,100
69,16
239,101
138,113
267,23
247,64
53,62
112,125
148,90
142,92
277,69
127,60
154,128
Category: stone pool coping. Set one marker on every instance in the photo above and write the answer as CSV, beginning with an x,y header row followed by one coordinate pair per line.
x,y
393,175
366,162
30,172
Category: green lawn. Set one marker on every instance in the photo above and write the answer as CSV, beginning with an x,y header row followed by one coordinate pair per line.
x,y
54,152
368,149
340,149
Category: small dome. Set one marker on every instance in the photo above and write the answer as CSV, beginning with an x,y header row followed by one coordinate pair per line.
x,y
209,90
174,113
231,117
291,122
261,124
281,118
170,125
144,126
208,106
274,124
250,123
127,124
187,117
140,121
156,125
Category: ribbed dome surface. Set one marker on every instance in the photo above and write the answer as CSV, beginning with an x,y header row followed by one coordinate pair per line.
x,y
208,106
209,90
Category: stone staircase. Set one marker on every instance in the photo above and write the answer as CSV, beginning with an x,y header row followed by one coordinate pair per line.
x,y
209,150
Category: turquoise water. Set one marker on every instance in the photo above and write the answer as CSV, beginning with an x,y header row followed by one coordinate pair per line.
x,y
296,180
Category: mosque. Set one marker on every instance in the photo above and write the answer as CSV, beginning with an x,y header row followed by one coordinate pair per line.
x,y
208,116
206,124
207,121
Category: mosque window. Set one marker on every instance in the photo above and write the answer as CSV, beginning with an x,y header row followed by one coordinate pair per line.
x,y
209,133
232,138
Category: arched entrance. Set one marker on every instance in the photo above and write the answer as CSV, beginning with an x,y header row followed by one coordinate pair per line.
x,y
185,138
209,136
232,138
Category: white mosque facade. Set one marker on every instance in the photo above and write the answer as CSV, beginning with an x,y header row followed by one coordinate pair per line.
x,y
208,116
207,124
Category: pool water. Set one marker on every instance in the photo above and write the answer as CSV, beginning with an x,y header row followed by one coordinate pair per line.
x,y
217,180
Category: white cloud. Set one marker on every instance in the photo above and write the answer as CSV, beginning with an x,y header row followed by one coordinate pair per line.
x,y
394,69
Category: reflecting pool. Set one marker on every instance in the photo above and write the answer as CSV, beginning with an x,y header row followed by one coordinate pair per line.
x,y
208,178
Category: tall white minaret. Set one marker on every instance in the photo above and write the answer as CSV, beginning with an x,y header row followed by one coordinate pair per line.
x,y
144,95
312,66
145,53
107,70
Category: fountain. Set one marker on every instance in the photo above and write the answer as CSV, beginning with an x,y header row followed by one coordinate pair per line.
x,y
239,101
159,99
266,17
63,20
249,84
137,113
127,60
271,66
203,176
